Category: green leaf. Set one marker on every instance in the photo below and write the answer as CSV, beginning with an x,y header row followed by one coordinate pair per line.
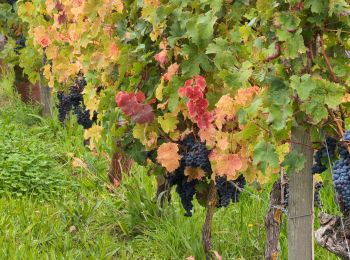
x,y
317,6
293,162
303,85
265,155
200,29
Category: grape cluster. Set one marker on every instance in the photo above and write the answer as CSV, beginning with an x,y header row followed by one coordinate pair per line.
x,y
194,154
74,101
20,44
11,2
64,106
317,196
229,190
346,136
323,153
341,180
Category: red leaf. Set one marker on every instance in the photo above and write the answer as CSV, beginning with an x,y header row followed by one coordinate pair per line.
x,y
132,105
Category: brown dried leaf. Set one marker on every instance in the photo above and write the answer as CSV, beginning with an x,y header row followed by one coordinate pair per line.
x,y
78,163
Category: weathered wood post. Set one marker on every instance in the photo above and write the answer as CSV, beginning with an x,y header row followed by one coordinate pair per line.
x,y
301,204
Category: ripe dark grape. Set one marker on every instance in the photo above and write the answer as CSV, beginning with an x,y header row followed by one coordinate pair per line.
x,y
20,44
76,96
194,154
341,181
11,2
228,190
322,154
83,117
186,189
317,195
346,136
74,100
64,106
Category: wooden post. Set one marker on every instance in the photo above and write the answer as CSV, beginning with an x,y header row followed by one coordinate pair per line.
x,y
273,222
301,205
45,97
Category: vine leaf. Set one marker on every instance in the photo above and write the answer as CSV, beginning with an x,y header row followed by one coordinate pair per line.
x,y
194,173
171,71
94,134
226,164
293,162
168,157
265,155
168,122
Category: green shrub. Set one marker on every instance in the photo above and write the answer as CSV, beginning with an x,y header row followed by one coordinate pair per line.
x,y
28,162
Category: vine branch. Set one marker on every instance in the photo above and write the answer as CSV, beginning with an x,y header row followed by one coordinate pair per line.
x,y
326,59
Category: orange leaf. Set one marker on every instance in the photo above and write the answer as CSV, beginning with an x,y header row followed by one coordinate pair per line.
x,y
168,156
41,36
194,173
208,135
245,96
113,51
172,70
226,164
225,109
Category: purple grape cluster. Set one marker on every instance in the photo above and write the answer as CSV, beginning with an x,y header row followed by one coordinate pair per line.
x,y
194,154
74,101
229,190
322,154
341,181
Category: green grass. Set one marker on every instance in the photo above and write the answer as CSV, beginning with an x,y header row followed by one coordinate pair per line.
x,y
83,220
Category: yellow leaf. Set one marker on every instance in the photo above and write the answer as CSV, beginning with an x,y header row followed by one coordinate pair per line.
x,y
318,178
94,134
92,105
146,135
346,98
168,157
250,174
51,52
282,151
194,173
159,91
118,5
168,122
